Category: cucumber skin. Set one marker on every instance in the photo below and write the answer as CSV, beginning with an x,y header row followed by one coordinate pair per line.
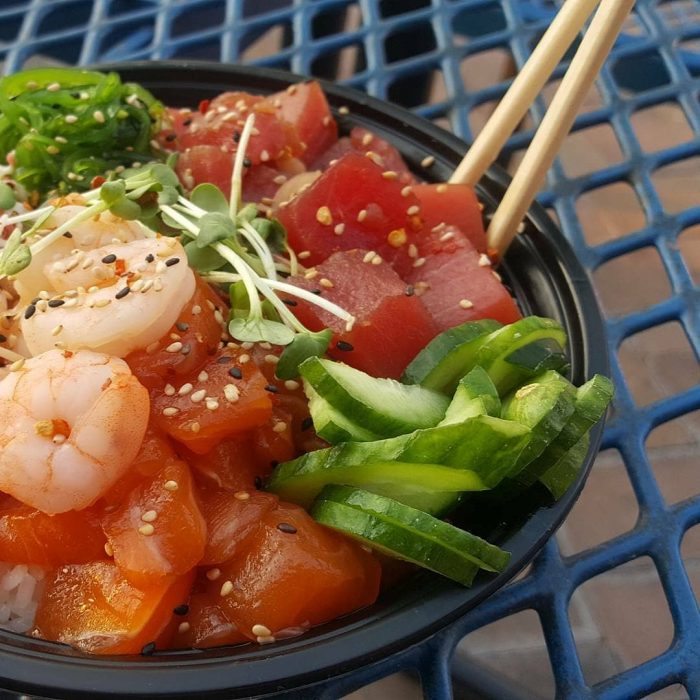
x,y
332,425
441,364
392,523
476,395
591,403
316,374
545,406
485,445
562,474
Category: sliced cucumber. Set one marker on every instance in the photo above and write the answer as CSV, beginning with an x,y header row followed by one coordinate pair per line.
x,y
332,425
544,406
592,400
384,407
476,395
537,357
499,353
406,533
485,448
562,474
449,356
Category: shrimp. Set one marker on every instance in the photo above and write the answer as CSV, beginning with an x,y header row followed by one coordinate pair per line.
x,y
114,299
72,424
94,233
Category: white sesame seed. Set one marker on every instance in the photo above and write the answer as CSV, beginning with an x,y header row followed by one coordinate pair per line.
x,y
195,427
231,393
466,304
149,516
226,588
53,150
291,384
170,411
413,210
202,376
260,631
196,310
264,156
324,216
361,215
147,529
169,390
183,627
339,229
53,87
213,574
98,116
279,427
265,640
212,404
427,161
406,191
198,395
185,389
419,262
109,550
17,365
57,330
171,485
241,495
412,251
484,260
377,260
174,347
304,254
325,282
244,359
343,110
390,175
368,256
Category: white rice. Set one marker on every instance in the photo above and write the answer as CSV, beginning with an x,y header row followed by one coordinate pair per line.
x,y
20,588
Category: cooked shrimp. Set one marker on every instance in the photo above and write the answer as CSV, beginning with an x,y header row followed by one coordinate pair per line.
x,y
114,299
72,424
88,235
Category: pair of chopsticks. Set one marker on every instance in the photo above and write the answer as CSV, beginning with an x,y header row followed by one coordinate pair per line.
x,y
585,66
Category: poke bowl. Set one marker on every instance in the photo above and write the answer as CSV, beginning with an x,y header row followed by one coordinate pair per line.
x,y
546,279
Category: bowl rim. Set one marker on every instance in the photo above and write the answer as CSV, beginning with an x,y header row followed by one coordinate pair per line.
x,y
355,641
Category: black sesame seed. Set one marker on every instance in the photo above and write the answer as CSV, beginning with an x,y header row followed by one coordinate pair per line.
x,y
171,137
289,302
182,326
109,259
247,162
122,293
68,234
75,95
148,649
172,261
258,482
187,122
236,136
271,388
3,338
186,349
181,609
344,345
315,291
35,301
55,303
29,311
307,423
236,373
410,290
273,463
224,359
150,258
287,528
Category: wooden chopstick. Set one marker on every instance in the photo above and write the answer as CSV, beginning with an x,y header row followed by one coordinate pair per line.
x,y
594,49
521,94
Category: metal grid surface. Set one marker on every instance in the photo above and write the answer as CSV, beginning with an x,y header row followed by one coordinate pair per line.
x,y
414,52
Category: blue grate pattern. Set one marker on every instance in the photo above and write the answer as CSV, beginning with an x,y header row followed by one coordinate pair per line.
x,y
417,53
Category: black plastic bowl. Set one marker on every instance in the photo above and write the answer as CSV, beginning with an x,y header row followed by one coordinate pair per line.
x,y
546,278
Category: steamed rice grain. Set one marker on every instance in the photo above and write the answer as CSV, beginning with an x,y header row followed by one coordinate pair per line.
x,y
20,588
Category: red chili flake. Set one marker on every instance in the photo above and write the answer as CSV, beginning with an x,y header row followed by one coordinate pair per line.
x,y
204,106
119,266
97,181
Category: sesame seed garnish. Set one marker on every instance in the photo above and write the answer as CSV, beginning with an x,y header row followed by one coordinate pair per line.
x,y
291,385
213,574
447,235
368,256
325,282
170,411
57,330
171,485
226,588
109,550
149,516
198,395
271,359
185,389
181,610
196,310
148,649
186,349
265,640
53,87
211,404
236,373
521,227
442,187
195,427
53,150
279,427
172,261
98,116
279,179
203,376
466,304
406,191
484,260
496,275
412,251
244,358
17,365
287,528
169,390
241,495
324,216
419,262
70,119
344,346
147,530
390,175
231,393
174,347
362,215
122,293
183,627
264,156
343,110
29,311
427,161
377,260
413,210
137,286
260,631
271,388
304,254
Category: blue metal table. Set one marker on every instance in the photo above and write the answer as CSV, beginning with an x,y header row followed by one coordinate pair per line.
x,y
399,50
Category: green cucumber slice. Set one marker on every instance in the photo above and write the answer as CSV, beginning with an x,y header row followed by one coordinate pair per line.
x,y
498,354
406,533
476,395
562,474
382,406
332,425
592,400
449,356
545,405
485,447
538,357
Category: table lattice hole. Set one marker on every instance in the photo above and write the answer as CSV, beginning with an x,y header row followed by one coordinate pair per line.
x,y
672,450
609,212
417,88
633,26
678,13
661,126
689,245
253,8
587,150
480,20
690,551
628,607
202,16
691,48
479,114
409,42
340,64
10,25
54,52
658,363
640,72
64,16
134,33
670,692
203,49
514,648
336,20
676,184
266,43
607,491
483,69
391,8
631,282
404,685
443,122
128,7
